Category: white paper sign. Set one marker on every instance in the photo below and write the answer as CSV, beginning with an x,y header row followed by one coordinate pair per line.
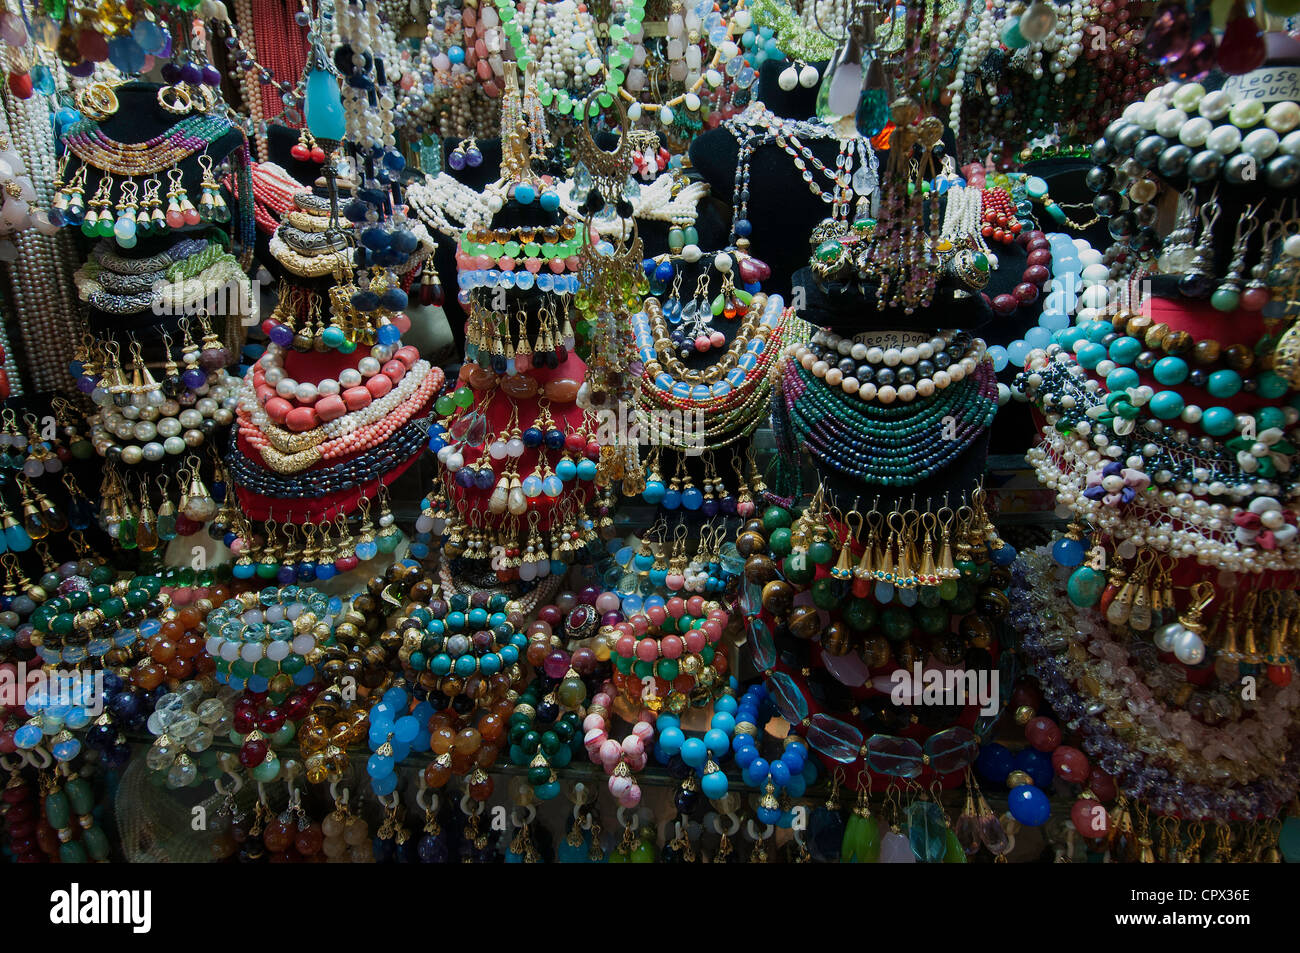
x,y
1269,85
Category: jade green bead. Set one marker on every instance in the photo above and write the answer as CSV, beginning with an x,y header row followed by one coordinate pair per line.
x,y
860,614
775,517
896,621
57,810
821,553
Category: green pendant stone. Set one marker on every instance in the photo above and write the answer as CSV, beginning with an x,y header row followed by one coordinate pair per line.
x,y
896,621
954,853
821,553
824,594
57,811
798,569
828,251
1086,586
1225,299
932,621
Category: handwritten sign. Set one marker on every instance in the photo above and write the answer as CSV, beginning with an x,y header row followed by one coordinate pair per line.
x,y
1269,85
898,339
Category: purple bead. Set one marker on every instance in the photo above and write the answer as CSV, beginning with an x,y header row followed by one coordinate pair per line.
x,y
213,357
465,478
484,479
85,385
589,595
170,72
710,508
473,157
611,618
281,336
728,506
191,74
194,378
286,575
82,69
556,664
211,75
456,160
433,850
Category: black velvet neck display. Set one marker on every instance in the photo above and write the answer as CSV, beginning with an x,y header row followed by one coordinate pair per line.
x,y
781,207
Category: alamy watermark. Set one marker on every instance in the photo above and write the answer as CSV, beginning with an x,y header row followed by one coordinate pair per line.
x,y
237,298
628,425
53,687
936,687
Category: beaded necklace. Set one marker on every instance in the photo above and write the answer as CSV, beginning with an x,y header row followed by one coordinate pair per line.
x,y
87,142
731,406
895,445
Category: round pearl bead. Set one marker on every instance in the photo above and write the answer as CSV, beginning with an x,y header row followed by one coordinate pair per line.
x,y
1282,117
1215,105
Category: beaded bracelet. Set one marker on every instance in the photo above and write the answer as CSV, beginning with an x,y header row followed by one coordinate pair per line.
x,y
84,624
396,730
543,737
782,774
702,754
620,759
265,640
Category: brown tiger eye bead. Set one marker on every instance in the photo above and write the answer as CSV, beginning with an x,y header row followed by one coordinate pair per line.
x,y
805,623
759,569
750,544
1155,335
1179,343
949,649
875,652
1239,357
778,597
837,639
1206,352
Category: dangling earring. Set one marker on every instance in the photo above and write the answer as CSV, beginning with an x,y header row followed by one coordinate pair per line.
x,y
1227,296
212,207
466,155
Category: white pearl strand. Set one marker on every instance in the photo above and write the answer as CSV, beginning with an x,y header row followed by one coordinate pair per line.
x,y
655,202
1200,119
1172,520
449,206
1144,523
307,392
41,276
162,427
360,27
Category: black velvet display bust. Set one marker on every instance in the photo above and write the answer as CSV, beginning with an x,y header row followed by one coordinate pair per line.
x,y
781,208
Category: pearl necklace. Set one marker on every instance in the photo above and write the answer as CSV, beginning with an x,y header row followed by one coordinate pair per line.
x,y
306,392
905,385
40,275
655,202
441,202
148,434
